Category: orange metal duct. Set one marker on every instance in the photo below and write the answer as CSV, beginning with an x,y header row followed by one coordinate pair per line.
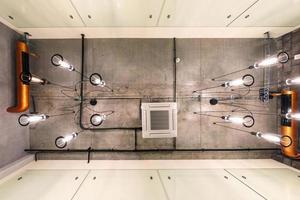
x,y
22,64
289,127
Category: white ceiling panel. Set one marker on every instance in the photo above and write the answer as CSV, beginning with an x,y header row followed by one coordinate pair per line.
x,y
284,13
122,13
212,13
40,13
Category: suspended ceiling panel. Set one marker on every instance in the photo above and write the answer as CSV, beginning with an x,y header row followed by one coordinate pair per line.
x,y
39,13
271,13
124,13
121,184
43,185
275,184
202,12
214,184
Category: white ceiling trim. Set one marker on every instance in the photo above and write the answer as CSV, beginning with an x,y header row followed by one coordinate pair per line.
x,y
157,32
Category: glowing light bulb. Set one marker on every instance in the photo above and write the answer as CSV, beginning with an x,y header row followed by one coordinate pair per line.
x,y
236,82
282,57
26,119
293,81
27,78
58,61
97,80
62,141
247,121
284,141
97,119
295,116
247,80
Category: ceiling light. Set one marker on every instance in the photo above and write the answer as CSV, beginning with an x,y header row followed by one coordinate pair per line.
x,y
295,116
62,141
26,119
247,121
247,80
293,81
97,80
284,141
58,61
281,57
97,119
28,78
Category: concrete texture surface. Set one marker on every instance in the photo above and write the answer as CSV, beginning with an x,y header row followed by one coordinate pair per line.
x,y
141,70
14,138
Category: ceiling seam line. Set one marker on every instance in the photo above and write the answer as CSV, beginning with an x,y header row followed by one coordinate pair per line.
x,y
160,12
77,12
242,13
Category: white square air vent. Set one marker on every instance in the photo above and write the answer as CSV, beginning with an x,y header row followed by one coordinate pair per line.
x,y
159,120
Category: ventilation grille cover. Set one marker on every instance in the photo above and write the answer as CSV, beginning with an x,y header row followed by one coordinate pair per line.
x,y
159,120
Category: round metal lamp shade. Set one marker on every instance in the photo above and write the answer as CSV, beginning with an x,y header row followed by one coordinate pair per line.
x,y
248,80
60,142
97,80
248,121
97,120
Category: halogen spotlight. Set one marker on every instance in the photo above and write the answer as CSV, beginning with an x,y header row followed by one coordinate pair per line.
x,y
97,80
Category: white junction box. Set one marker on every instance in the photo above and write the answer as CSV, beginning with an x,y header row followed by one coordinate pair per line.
x,y
159,120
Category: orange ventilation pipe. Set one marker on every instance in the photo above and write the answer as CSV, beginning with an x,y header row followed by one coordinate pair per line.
x,y
289,127
22,64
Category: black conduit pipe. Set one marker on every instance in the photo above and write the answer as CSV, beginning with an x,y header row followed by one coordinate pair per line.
x,y
82,98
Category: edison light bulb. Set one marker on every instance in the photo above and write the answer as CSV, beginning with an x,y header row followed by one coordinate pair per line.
x,y
58,61
26,119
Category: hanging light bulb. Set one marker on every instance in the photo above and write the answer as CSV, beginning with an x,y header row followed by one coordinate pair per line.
x,y
247,121
247,80
281,57
59,61
26,119
97,119
97,80
284,141
29,78
62,141
293,81
295,116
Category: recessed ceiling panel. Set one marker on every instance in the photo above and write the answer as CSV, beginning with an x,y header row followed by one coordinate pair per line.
x,y
121,185
212,13
43,185
124,13
275,184
214,184
40,13
282,13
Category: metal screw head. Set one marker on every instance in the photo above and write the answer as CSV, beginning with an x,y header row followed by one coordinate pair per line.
x,y
89,16
76,178
168,16
71,16
150,16
151,177
244,177
94,178
247,16
169,177
228,16
10,17
225,177
20,178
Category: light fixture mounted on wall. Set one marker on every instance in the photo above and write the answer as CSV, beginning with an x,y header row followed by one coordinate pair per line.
x,y
98,119
59,61
62,141
26,119
97,80
29,78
